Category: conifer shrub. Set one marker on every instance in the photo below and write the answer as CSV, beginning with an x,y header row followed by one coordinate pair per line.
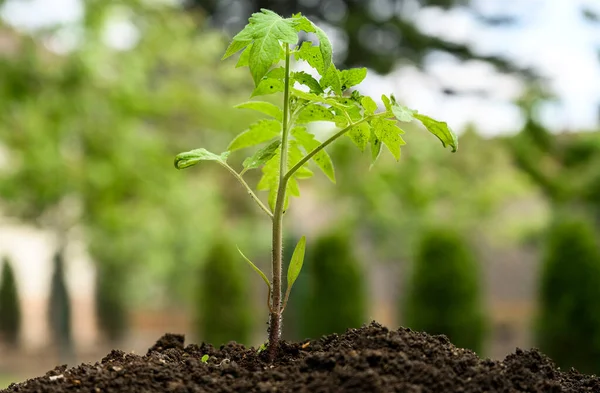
x,y
59,310
568,324
336,298
444,294
224,307
10,312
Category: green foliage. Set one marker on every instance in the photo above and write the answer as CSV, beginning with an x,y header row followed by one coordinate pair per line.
x,y
111,301
223,305
568,326
444,296
267,40
10,311
336,298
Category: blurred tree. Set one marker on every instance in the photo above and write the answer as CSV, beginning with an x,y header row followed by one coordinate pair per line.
x,y
59,311
10,310
336,297
568,326
566,167
373,33
444,295
224,309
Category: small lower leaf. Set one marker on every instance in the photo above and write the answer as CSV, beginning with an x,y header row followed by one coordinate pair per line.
x,y
360,134
257,133
268,86
296,264
369,105
314,112
256,269
192,157
263,155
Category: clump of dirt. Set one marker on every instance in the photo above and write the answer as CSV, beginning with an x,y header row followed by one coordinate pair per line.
x,y
369,359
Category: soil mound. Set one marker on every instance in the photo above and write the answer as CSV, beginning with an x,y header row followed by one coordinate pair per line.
x,y
369,359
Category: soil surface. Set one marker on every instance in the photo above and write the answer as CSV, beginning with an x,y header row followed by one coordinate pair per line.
x,y
369,359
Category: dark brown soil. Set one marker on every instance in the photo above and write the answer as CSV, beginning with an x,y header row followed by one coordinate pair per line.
x,y
369,359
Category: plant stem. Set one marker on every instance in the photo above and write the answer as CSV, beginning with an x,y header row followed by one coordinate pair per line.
x,y
239,177
277,252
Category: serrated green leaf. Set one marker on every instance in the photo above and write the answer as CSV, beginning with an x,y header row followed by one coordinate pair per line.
x,y
351,107
386,102
324,47
441,130
389,133
296,263
312,55
307,80
268,86
302,23
403,113
369,105
244,59
192,157
352,77
276,73
262,155
314,112
360,135
256,269
264,107
257,133
320,99
266,29
309,143
332,79
235,46
340,121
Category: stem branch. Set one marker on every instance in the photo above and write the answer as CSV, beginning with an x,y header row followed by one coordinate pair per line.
x,y
248,189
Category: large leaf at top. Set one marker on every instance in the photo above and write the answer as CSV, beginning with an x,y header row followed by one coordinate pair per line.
x,y
309,143
257,133
266,29
441,130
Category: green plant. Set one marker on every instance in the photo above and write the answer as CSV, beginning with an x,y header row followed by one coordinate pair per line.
x,y
10,313
333,305
568,325
266,41
443,291
204,358
222,304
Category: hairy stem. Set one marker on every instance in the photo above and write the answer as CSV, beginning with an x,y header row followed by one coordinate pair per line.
x,y
277,252
248,189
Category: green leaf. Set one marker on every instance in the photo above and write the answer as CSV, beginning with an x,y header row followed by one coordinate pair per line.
x,y
268,86
312,55
235,46
277,73
369,105
302,23
244,59
403,113
192,157
340,121
386,102
332,79
324,100
325,48
256,269
314,112
360,135
352,77
266,29
264,107
257,133
307,80
204,358
351,107
296,263
375,148
263,155
309,143
441,130
389,133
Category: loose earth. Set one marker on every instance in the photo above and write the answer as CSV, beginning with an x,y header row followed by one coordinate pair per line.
x,y
369,359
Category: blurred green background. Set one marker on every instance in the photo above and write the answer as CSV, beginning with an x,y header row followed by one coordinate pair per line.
x,y
105,245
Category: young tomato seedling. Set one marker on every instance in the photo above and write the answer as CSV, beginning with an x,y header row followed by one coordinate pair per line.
x,y
287,142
